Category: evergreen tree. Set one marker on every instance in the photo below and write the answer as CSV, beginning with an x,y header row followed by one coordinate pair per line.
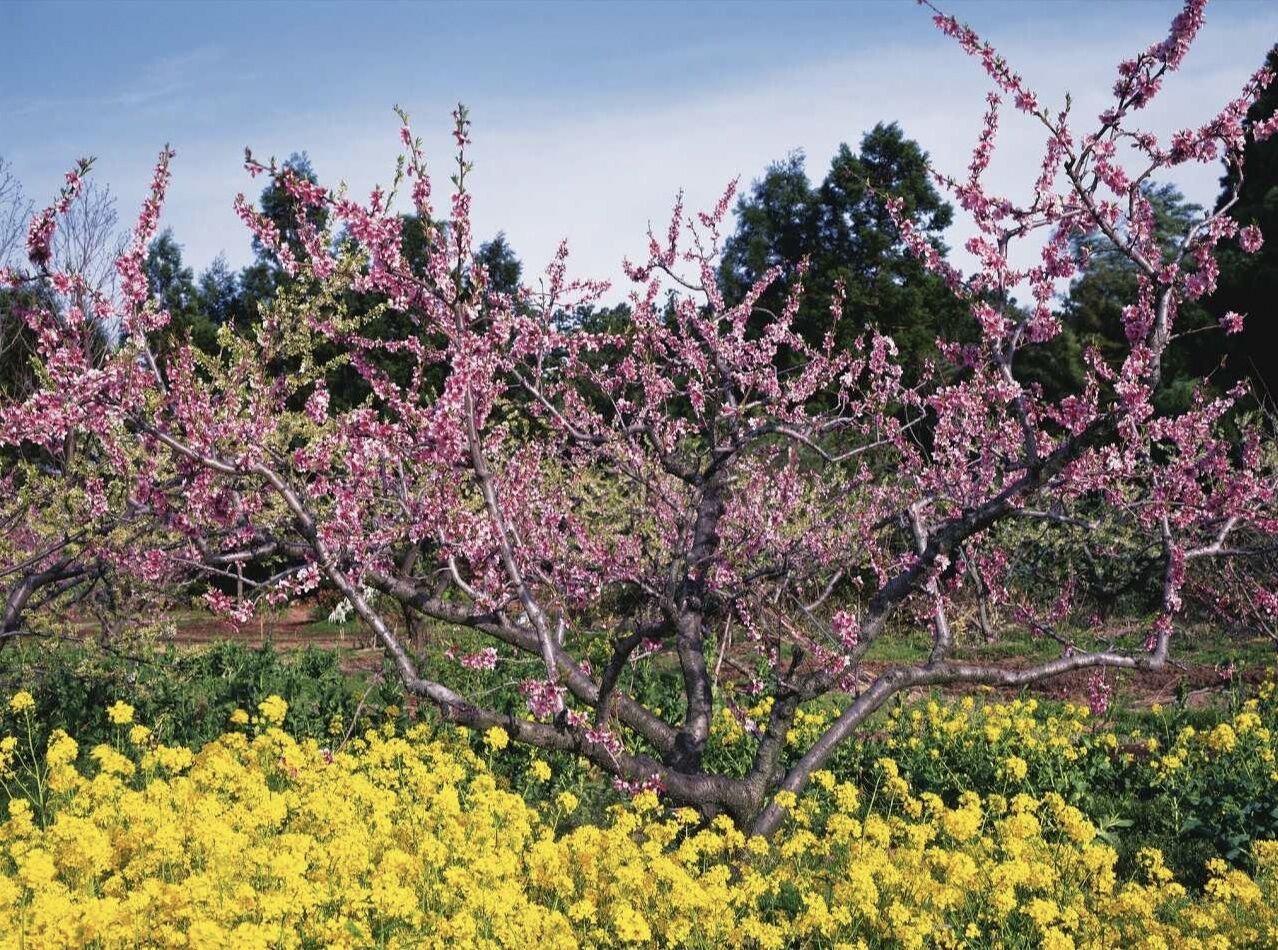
x,y
219,292
278,205
1248,283
504,268
1092,311
844,230
173,285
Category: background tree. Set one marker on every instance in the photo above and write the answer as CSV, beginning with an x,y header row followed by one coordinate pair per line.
x,y
1249,281
498,259
173,285
1092,312
845,232
218,294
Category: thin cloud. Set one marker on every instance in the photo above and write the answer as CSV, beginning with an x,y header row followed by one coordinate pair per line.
x,y
165,81
598,172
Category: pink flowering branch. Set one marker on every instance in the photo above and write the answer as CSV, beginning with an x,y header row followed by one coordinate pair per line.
x,y
699,480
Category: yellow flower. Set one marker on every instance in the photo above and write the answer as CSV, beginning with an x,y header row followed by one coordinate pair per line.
x,y
1246,722
964,823
496,738
1222,738
272,710
239,717
22,701
846,797
112,762
539,770
8,745
258,835
37,869
120,713
645,802
1266,853
62,749
630,925
1041,911
170,758
1015,768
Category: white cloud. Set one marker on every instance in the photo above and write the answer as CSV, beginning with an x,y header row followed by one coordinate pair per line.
x,y
599,179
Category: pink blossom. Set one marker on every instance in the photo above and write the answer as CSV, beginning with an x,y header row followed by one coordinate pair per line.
x,y
544,698
1099,691
317,404
1250,239
652,783
485,659
845,629
1232,321
238,611
40,238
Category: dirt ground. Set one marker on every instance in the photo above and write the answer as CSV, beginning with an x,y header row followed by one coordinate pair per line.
x,y
1202,685
293,630
297,629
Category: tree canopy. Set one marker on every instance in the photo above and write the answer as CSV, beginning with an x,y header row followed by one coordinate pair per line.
x,y
844,232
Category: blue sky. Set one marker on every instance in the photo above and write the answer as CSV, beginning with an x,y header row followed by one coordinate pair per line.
x,y
588,116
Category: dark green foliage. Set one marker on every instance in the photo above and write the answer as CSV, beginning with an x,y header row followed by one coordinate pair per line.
x,y
282,209
1249,282
219,293
173,286
258,283
1092,314
503,267
842,227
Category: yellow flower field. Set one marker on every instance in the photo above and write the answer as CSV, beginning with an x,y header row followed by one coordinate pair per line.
x,y
259,840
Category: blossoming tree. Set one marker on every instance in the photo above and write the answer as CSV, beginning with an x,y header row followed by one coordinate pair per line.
x,y
701,482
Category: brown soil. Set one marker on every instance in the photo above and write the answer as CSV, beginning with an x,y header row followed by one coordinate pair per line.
x,y
1203,684
293,631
